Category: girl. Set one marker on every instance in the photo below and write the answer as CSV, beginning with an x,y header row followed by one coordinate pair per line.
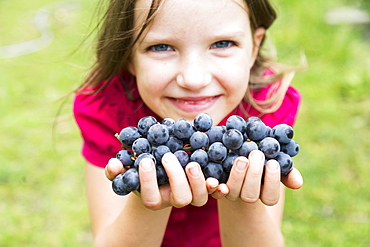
x,y
176,59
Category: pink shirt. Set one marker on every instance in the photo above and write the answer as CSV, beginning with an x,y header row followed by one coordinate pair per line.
x,y
99,116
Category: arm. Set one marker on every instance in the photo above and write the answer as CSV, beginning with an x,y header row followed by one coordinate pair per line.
x,y
118,220
140,219
250,224
245,218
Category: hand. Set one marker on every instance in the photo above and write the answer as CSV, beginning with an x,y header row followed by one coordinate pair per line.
x,y
245,180
185,187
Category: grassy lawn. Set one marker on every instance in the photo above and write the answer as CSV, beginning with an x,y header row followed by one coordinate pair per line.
x,y
42,174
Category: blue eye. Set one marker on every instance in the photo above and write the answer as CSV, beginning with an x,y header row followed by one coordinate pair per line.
x,y
160,47
222,44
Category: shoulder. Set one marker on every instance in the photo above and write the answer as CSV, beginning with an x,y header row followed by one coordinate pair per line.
x,y
287,111
101,115
111,104
87,102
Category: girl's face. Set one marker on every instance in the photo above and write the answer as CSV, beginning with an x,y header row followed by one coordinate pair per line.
x,y
194,57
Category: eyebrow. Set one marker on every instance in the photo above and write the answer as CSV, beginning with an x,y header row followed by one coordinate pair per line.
x,y
152,37
230,34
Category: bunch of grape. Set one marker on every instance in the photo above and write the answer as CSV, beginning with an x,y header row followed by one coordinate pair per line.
x,y
213,148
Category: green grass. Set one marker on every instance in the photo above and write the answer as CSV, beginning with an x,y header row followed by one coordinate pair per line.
x,y
42,174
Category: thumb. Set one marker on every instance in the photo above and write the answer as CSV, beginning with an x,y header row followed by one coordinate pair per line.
x,y
293,180
113,168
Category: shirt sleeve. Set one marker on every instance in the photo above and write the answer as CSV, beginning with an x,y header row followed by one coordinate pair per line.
x,y
94,115
100,116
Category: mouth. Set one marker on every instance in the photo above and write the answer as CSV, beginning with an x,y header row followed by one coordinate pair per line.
x,y
194,104
195,100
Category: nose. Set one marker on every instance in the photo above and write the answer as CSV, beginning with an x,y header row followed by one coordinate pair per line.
x,y
193,73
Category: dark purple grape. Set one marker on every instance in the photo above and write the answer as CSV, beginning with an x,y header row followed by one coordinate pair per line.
x,y
169,122
141,157
131,180
233,139
229,161
256,130
270,147
246,138
117,186
236,122
144,124
128,135
199,140
285,162
158,134
252,119
159,151
174,144
269,132
283,133
162,177
215,133
183,129
213,170
182,156
141,146
224,177
126,157
246,148
200,156
203,122
292,148
217,152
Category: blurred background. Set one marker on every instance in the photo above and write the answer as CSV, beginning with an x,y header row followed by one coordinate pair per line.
x,y
45,51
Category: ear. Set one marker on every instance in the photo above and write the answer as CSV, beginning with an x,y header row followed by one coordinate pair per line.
x,y
131,69
257,39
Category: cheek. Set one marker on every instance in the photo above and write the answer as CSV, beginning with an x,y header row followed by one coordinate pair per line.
x,y
151,86
236,82
149,89
152,75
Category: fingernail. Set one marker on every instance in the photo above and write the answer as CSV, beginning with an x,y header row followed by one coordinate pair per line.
x,y
221,193
146,165
213,183
114,162
256,156
194,171
241,165
166,157
272,166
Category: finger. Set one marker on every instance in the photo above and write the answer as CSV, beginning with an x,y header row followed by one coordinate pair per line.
x,y
211,184
180,189
270,193
197,184
149,190
113,168
252,182
293,180
221,191
236,178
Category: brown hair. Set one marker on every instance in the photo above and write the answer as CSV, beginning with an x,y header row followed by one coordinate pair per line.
x,y
116,39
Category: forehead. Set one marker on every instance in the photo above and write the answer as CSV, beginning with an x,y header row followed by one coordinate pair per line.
x,y
146,4
182,13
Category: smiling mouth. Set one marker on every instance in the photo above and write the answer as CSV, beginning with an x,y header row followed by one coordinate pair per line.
x,y
194,104
196,100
